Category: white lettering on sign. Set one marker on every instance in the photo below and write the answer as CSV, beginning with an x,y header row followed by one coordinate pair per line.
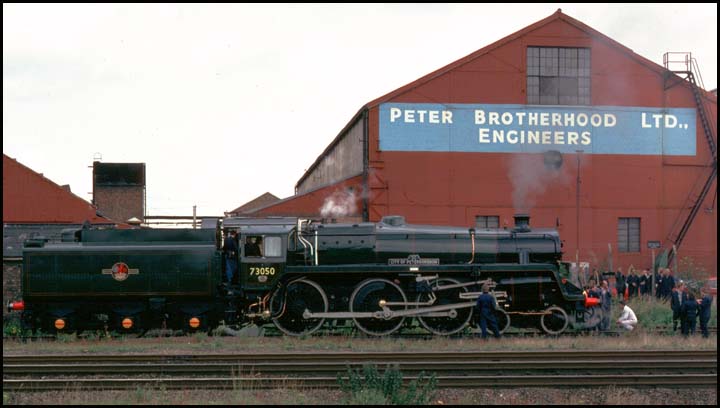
x,y
546,119
660,120
540,119
546,137
421,116
510,128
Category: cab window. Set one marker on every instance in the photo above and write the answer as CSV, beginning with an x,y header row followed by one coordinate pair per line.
x,y
273,246
253,245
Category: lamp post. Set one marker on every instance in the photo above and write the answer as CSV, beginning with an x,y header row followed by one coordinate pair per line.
x,y
577,214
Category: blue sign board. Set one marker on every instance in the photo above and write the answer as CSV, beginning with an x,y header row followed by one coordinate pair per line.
x,y
430,127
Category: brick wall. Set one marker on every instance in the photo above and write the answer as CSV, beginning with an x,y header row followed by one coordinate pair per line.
x,y
120,203
11,284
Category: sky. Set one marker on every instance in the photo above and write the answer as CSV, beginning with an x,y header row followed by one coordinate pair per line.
x,y
224,102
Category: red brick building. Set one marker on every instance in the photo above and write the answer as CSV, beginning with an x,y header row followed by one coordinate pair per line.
x,y
557,120
31,198
119,190
35,206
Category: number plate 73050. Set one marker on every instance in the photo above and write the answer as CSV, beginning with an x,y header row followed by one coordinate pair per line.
x,y
262,271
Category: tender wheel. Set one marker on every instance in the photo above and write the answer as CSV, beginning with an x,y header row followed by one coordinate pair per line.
x,y
300,295
555,321
366,299
446,325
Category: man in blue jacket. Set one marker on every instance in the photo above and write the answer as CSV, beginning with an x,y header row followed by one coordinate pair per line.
x,y
230,250
688,314
606,306
705,304
485,309
678,296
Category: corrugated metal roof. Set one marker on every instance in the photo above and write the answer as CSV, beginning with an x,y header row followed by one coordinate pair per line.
x,y
30,198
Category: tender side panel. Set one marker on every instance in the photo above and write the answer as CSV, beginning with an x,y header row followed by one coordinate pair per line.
x,y
161,270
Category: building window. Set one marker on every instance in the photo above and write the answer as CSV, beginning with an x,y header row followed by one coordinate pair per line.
x,y
629,234
558,76
487,221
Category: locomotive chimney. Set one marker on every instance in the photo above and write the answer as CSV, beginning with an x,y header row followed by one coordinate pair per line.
x,y
522,222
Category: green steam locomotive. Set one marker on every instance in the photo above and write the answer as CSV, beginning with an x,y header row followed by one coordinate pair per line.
x,y
300,275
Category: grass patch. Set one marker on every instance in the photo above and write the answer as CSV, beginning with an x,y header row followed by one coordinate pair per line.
x,y
638,339
11,326
372,388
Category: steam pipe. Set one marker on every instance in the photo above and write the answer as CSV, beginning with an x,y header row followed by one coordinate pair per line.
x,y
316,246
303,240
300,238
472,239
312,249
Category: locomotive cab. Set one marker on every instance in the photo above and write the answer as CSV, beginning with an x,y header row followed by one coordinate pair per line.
x,y
262,257
262,249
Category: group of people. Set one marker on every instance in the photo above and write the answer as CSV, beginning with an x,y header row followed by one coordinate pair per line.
x,y
684,306
686,309
665,283
633,284
486,305
627,319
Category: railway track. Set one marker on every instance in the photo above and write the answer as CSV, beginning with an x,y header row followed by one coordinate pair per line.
x,y
667,368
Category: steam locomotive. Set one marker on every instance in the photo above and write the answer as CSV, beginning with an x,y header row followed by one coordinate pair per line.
x,y
301,275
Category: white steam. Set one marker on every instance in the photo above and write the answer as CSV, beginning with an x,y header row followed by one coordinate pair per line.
x,y
530,177
339,204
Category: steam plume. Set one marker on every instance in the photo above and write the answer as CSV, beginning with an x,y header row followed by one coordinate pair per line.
x,y
341,203
530,175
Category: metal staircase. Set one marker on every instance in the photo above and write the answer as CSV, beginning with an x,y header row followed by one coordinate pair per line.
x,y
691,72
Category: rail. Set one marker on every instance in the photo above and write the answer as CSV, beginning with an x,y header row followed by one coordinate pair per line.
x,y
568,368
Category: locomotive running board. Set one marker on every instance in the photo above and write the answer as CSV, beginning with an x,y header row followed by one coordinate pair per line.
x,y
386,313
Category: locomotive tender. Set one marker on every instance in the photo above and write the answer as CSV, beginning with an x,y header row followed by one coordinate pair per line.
x,y
300,275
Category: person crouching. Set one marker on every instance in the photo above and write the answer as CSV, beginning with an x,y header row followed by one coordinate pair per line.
x,y
627,319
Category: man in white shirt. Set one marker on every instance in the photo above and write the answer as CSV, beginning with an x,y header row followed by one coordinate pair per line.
x,y
627,319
